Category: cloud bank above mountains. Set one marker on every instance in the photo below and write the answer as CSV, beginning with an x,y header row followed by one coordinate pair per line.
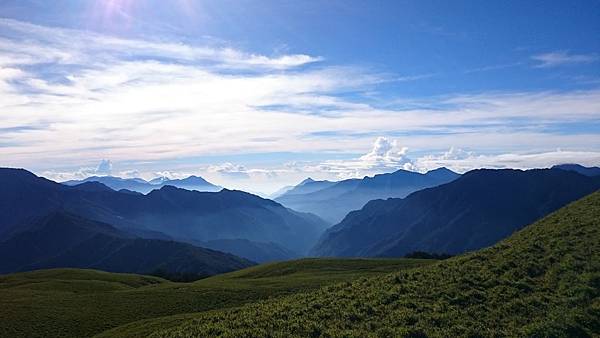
x,y
72,97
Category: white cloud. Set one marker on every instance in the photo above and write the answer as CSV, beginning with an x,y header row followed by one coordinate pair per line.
x,y
229,169
456,154
157,101
466,161
104,168
385,156
239,171
27,43
132,173
560,58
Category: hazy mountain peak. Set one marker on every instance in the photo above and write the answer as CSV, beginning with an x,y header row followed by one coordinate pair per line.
x,y
194,179
308,180
92,186
440,170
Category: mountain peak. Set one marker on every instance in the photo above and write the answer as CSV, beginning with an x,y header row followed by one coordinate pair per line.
x,y
195,179
17,172
308,180
91,186
440,169
442,173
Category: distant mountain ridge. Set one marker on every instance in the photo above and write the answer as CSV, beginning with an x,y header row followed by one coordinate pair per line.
x,y
476,210
177,213
60,239
140,185
333,200
307,186
578,168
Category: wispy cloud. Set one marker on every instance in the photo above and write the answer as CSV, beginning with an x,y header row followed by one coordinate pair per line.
x,y
560,58
25,43
68,95
493,67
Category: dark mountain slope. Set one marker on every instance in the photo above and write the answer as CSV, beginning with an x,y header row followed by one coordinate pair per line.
x,y
541,282
177,213
474,211
64,240
334,202
24,198
259,252
587,171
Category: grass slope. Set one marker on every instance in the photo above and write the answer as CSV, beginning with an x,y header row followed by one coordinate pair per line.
x,y
544,281
81,303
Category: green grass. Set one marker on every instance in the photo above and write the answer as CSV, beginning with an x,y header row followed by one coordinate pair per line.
x,y
544,281
82,303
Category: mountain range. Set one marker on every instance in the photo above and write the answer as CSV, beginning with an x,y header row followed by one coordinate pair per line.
x,y
142,186
474,211
260,228
60,239
333,200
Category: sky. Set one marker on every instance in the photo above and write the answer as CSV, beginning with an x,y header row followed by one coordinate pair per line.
x,y
256,95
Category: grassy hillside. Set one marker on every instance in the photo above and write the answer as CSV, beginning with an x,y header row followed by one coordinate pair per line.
x,y
77,303
544,281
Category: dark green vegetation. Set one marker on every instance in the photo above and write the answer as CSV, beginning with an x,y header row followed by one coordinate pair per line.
x,y
333,200
474,211
427,255
81,303
543,281
64,240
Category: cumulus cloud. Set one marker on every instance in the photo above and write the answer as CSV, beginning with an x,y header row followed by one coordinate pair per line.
x,y
385,156
456,154
166,174
104,168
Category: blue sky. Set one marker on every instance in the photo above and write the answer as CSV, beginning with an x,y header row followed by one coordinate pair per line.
x,y
259,94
